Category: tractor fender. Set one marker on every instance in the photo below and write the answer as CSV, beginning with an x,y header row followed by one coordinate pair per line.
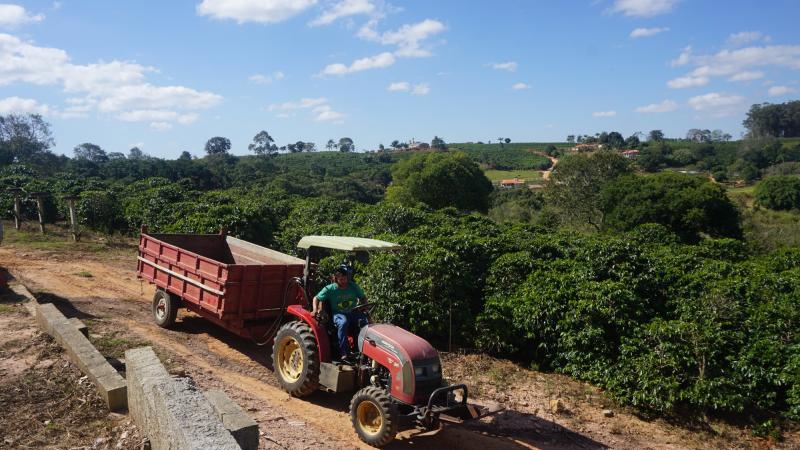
x,y
323,343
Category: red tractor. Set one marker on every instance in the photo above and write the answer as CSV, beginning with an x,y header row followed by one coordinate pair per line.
x,y
398,374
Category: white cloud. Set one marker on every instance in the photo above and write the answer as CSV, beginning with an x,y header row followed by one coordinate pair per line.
x,y
683,58
409,41
409,38
266,79
747,76
259,11
746,37
400,86
777,91
405,86
379,61
729,63
115,87
344,8
686,82
643,8
19,105
319,107
145,115
520,86
510,66
15,15
604,114
324,113
665,106
717,104
161,126
421,89
303,103
647,32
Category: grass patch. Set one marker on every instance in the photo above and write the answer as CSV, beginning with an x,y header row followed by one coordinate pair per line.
x,y
113,345
84,274
528,175
6,309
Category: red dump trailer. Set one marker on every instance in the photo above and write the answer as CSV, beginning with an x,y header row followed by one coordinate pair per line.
x,y
242,287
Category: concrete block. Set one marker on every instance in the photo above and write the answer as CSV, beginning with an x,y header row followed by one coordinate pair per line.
x,y
106,379
243,428
80,326
47,316
173,414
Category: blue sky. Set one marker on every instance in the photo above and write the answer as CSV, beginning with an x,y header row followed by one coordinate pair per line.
x,y
166,76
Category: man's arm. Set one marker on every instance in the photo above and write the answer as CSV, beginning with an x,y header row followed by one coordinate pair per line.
x,y
316,306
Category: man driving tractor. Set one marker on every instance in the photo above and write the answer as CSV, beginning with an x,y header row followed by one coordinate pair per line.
x,y
343,296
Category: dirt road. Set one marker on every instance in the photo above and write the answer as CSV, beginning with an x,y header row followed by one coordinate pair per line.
x,y
102,290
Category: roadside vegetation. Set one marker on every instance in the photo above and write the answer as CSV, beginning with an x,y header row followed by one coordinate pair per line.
x,y
664,288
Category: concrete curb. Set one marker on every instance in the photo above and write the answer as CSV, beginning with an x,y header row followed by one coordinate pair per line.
x,y
174,413
107,380
242,427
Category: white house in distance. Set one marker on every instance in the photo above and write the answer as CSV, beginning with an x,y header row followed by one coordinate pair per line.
x,y
513,183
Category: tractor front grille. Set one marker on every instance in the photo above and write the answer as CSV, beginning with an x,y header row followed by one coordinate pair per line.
x,y
424,389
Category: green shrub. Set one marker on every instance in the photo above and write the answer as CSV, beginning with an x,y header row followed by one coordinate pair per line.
x,y
779,192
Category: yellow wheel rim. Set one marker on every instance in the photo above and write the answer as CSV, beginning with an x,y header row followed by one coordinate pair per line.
x,y
290,359
369,417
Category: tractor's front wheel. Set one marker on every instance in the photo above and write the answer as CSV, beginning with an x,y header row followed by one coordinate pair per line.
x,y
295,359
374,416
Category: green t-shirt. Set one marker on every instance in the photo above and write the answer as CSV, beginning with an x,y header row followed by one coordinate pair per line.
x,y
341,300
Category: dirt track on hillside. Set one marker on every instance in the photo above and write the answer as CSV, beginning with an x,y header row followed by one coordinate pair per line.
x,y
102,290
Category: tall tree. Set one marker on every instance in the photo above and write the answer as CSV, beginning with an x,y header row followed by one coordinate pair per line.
x,y
330,145
778,120
632,141
655,136
90,152
23,138
217,145
571,139
395,144
439,144
346,145
135,153
263,144
575,185
440,180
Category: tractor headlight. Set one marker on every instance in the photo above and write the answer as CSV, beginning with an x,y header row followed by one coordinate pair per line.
x,y
419,371
435,368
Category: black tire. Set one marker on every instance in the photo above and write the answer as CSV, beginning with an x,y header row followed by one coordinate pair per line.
x,y
374,416
165,308
295,359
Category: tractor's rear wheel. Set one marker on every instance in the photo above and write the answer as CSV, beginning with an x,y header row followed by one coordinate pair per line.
x,y
295,359
374,416
165,308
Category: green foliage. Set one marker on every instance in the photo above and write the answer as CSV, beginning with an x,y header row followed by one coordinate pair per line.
x,y
440,180
689,206
516,156
779,192
101,211
779,120
575,186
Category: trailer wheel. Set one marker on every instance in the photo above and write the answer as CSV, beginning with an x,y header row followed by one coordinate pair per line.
x,y
374,416
165,308
295,359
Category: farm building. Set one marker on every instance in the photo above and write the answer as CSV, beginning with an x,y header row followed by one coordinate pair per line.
x,y
513,183
630,154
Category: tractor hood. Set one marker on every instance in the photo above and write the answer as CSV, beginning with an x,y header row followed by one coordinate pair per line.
x,y
403,344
